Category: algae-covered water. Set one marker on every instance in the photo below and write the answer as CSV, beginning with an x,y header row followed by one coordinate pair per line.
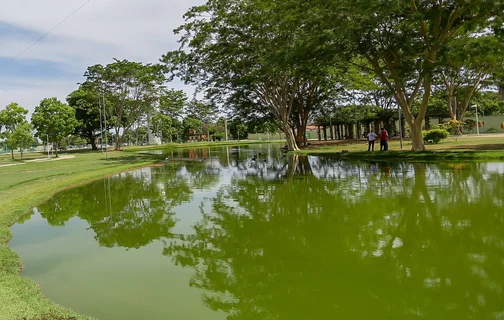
x,y
249,233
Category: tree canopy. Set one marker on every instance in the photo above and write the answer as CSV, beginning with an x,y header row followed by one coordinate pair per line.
x,y
54,120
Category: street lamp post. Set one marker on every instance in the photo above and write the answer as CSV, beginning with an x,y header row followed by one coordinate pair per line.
x,y
477,120
484,122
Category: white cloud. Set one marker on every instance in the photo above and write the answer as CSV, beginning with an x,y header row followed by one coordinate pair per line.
x,y
139,30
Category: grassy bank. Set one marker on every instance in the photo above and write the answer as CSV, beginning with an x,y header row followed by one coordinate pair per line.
x,y
21,188
200,145
467,148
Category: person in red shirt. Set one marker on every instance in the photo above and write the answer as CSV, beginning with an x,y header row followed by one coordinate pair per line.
x,y
383,140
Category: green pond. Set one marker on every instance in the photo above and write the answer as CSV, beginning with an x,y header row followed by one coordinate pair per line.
x,y
248,233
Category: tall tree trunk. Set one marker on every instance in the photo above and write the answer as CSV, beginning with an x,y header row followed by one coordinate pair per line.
x,y
319,134
93,144
12,154
324,129
289,136
301,135
350,131
417,137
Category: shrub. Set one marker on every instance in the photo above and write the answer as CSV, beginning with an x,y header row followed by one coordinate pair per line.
x,y
502,125
452,126
492,130
435,135
470,124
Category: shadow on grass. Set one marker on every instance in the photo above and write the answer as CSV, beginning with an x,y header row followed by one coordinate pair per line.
x,y
47,317
481,147
133,158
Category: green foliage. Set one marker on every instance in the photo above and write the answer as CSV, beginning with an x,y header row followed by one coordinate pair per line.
x,y
402,42
470,124
260,56
55,120
191,126
466,66
172,102
12,116
435,135
492,130
87,104
452,126
129,89
21,138
489,102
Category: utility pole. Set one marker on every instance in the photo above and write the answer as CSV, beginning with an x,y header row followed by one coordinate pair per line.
x,y
400,126
105,117
225,128
356,125
101,126
477,120
330,125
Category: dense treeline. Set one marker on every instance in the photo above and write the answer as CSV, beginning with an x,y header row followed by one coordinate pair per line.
x,y
269,66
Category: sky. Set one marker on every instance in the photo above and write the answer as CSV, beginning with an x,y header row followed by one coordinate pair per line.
x,y
137,30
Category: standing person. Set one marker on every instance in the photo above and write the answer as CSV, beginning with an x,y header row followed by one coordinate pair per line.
x,y
371,139
383,140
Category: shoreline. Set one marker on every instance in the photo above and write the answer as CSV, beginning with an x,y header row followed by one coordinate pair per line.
x,y
22,297
407,155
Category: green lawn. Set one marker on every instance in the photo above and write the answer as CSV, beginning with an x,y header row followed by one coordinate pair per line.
x,y
201,144
23,187
463,148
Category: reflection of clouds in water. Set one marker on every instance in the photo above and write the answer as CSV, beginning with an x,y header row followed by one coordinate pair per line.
x,y
495,167
397,243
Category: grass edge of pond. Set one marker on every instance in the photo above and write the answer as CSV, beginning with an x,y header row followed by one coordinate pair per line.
x,y
409,155
23,298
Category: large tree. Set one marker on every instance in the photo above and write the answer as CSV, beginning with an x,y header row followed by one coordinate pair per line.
x,y
129,90
467,63
21,138
402,41
54,120
165,121
87,103
10,118
267,52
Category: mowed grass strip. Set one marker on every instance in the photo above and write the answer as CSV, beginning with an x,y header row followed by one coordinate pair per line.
x,y
462,148
23,187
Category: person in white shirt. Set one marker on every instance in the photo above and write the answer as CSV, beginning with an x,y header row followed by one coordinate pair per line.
x,y
371,139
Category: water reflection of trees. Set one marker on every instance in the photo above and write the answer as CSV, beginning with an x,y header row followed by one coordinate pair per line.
x,y
405,241
131,209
